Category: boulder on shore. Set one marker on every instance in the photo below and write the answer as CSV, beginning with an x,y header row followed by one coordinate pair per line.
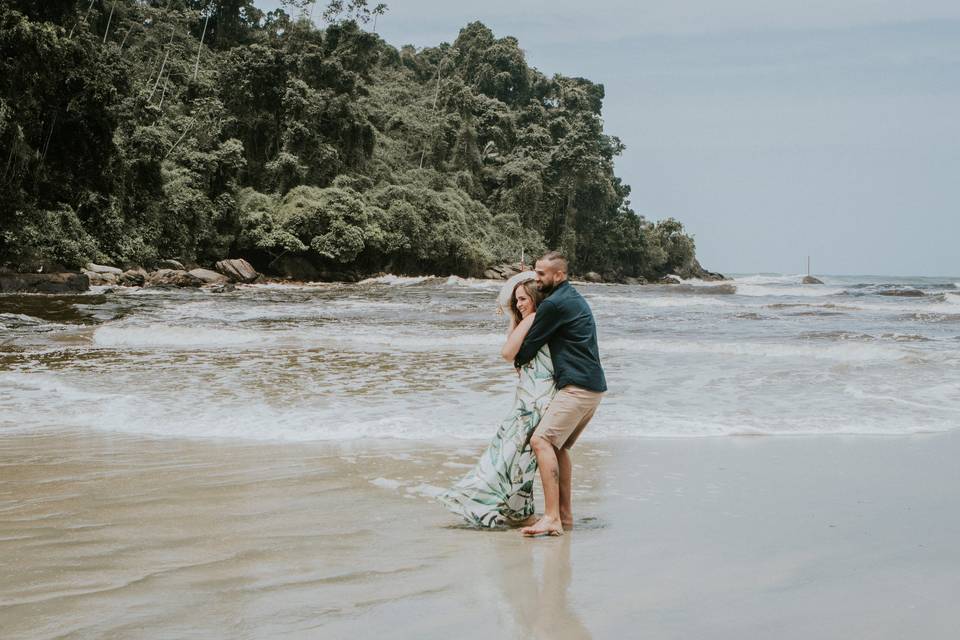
x,y
693,270
43,282
208,276
670,279
238,270
504,271
99,279
172,278
593,276
133,277
99,268
811,280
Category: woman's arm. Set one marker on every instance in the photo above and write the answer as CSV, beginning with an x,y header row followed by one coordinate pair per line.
x,y
515,339
549,320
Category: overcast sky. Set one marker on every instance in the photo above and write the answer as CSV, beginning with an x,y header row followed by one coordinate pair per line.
x,y
772,130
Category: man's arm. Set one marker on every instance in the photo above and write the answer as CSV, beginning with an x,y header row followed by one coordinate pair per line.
x,y
548,320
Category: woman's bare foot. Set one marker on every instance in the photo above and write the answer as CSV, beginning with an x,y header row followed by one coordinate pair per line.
x,y
544,527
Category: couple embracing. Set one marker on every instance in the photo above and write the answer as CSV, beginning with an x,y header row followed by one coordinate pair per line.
x,y
552,342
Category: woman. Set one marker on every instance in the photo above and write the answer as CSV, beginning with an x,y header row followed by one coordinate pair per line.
x,y
498,491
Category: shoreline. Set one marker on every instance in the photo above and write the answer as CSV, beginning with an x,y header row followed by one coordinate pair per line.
x,y
225,274
722,287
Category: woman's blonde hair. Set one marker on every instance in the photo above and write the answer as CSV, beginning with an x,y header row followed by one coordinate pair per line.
x,y
536,296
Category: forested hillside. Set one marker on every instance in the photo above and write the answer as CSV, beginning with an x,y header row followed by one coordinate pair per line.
x,y
126,140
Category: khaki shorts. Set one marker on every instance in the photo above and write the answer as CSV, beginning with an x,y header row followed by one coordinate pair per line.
x,y
567,415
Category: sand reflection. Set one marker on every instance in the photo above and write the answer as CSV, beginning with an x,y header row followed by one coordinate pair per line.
x,y
535,579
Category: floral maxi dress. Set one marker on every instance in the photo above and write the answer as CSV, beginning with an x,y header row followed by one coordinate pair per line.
x,y
499,489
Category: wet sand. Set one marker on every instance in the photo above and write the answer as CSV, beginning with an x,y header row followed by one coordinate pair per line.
x,y
115,536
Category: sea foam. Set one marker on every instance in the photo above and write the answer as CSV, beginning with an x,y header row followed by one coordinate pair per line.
x,y
420,361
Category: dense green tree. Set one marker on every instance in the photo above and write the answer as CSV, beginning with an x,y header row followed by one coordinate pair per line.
x,y
132,131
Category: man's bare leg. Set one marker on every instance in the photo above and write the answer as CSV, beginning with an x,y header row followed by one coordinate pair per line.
x,y
566,480
550,523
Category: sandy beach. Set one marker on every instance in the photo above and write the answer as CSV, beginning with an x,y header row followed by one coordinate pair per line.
x,y
116,536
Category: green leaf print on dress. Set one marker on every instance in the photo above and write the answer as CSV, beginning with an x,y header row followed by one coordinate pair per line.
x,y
499,489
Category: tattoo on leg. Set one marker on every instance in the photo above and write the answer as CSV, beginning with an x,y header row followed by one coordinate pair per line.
x,y
556,474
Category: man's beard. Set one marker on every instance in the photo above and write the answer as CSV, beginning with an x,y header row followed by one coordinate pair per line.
x,y
547,289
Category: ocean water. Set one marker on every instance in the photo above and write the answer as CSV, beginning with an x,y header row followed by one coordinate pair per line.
x,y
417,358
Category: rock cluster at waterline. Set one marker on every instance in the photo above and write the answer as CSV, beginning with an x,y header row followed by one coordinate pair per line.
x,y
172,273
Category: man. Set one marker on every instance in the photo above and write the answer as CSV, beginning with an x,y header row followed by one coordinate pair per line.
x,y
564,322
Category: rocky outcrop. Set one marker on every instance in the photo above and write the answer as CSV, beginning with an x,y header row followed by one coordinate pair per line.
x,y
99,268
135,277
592,276
238,270
811,280
504,271
172,278
693,270
209,277
99,279
100,275
44,282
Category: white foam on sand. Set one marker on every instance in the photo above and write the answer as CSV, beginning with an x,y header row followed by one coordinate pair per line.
x,y
44,402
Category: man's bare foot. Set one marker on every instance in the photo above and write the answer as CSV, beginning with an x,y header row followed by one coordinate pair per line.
x,y
566,521
544,527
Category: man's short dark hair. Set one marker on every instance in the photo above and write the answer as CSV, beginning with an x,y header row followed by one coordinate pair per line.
x,y
556,256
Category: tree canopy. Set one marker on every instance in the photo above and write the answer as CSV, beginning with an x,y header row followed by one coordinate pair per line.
x,y
132,131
